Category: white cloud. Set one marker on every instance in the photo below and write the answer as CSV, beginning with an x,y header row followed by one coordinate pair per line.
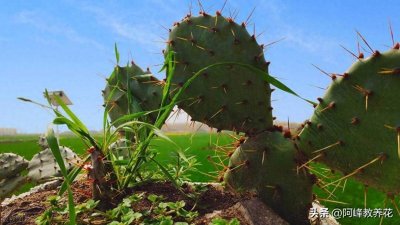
x,y
143,33
46,24
294,36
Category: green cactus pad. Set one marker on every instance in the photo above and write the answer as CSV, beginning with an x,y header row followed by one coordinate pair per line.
x,y
11,165
267,163
228,97
43,166
145,92
355,128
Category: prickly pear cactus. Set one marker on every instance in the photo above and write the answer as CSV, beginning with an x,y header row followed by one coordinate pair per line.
x,y
41,168
129,90
267,163
356,127
44,167
11,165
42,142
221,96
9,185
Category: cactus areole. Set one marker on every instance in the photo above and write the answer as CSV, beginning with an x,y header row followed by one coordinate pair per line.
x,y
222,96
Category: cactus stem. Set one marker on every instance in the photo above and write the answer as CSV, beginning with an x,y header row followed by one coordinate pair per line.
x,y
358,170
328,147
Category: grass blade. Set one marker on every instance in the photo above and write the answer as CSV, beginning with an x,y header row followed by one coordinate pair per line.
x,y
53,144
116,53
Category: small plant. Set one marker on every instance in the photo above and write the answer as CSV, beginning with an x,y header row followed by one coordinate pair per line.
x,y
159,212
116,165
54,214
180,169
221,221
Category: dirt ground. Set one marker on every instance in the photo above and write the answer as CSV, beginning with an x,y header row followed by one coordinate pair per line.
x,y
27,209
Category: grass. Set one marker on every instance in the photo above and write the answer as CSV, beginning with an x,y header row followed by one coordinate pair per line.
x,y
203,145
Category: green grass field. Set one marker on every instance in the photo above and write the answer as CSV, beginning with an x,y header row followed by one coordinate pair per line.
x,y
203,145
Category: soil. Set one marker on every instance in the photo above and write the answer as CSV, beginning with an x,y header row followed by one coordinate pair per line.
x,y
27,209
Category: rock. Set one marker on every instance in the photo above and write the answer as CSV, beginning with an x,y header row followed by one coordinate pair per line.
x,y
257,213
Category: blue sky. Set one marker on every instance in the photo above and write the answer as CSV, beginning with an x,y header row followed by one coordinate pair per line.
x,y
69,44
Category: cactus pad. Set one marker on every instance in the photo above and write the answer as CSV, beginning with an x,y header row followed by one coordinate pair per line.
x,y
267,163
145,92
43,165
8,185
356,127
223,96
11,165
